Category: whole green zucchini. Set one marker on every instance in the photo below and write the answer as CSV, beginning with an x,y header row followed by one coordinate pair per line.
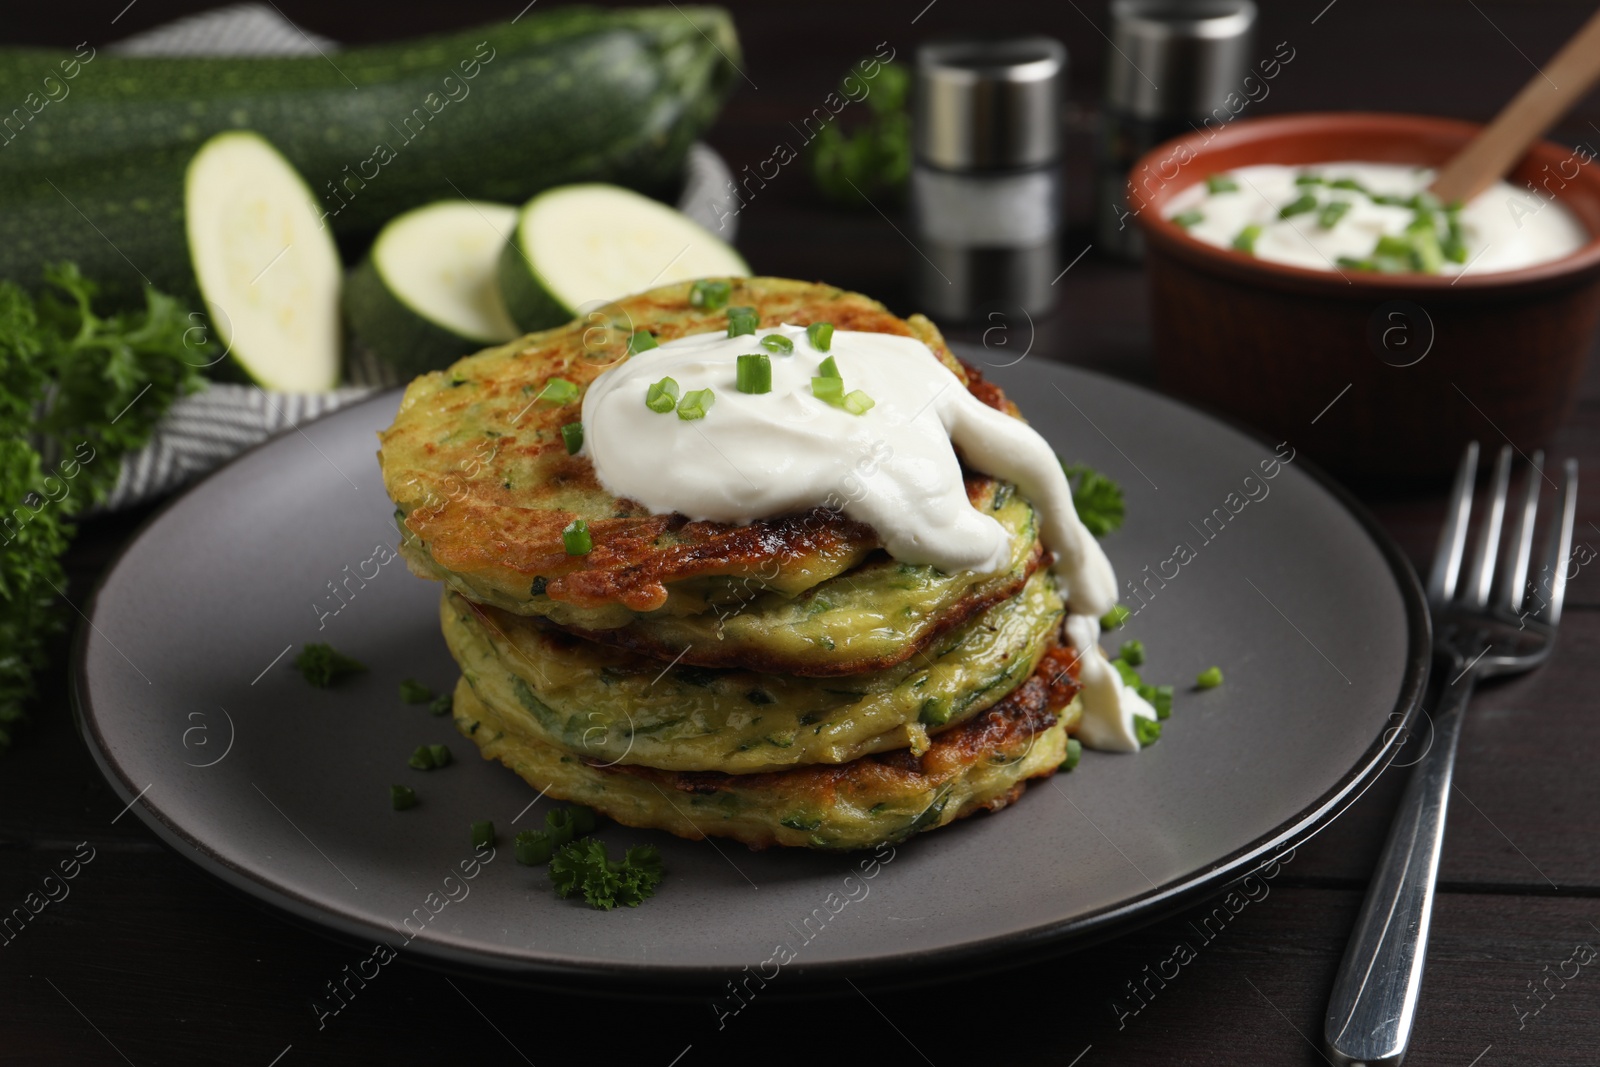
x,y
92,154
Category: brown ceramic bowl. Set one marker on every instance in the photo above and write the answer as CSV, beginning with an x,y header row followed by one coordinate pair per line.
x,y
1430,362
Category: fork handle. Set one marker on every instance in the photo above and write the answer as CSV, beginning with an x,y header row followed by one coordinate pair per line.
x,y
1375,994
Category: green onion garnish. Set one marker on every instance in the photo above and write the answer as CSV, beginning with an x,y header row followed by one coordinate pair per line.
x,y
754,373
1454,245
560,823
829,390
641,341
1161,700
1221,183
1246,241
440,755
1209,678
662,396
858,403
533,847
1331,213
1426,255
1132,652
1115,617
695,404
1148,731
414,692
575,536
582,820
442,704
1348,183
402,797
559,391
742,320
1389,200
482,834
777,342
421,759
820,334
1074,753
709,294
1298,206
1192,217
1309,179
572,437
830,369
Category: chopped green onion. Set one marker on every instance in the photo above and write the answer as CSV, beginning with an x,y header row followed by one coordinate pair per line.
x,y
482,834
402,797
1426,254
582,820
323,667
662,396
533,847
440,754
777,342
1389,200
1350,184
560,823
695,404
820,334
742,320
1221,183
828,390
754,373
1246,241
1331,213
1148,731
1209,678
1355,264
421,759
575,537
572,437
1115,617
830,369
641,341
1161,700
1130,677
559,391
1298,206
858,403
1074,754
1389,245
414,692
1454,245
1133,652
1309,179
1192,217
709,294
442,704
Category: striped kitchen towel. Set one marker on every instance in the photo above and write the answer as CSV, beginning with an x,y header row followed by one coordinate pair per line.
x,y
204,431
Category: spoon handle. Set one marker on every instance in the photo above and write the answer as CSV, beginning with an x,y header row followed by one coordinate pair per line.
x,y
1547,96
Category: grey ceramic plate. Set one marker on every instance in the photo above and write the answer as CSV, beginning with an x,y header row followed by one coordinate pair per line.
x,y
189,703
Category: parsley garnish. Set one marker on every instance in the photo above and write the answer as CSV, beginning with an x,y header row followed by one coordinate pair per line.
x,y
1097,498
323,667
583,866
88,389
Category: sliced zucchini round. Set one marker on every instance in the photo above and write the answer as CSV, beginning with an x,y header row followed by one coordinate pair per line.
x,y
578,245
266,266
427,293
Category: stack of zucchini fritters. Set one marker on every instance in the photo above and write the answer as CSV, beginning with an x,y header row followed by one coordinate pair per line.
x,y
783,682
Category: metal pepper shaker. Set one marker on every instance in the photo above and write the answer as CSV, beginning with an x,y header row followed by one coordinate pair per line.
x,y
1171,68
986,175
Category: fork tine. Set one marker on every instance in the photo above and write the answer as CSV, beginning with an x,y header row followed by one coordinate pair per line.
x,y
1561,539
1488,549
1453,536
1522,539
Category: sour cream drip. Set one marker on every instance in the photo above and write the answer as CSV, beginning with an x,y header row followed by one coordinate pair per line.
x,y
756,456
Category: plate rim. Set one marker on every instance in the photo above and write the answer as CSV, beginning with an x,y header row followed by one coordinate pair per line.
x,y
898,970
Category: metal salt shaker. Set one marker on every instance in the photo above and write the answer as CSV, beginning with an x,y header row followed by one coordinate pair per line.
x,y
1169,70
986,177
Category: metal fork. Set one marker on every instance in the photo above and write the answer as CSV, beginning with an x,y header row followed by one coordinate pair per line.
x,y
1375,995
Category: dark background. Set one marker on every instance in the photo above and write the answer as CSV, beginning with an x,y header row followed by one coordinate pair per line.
x,y
147,962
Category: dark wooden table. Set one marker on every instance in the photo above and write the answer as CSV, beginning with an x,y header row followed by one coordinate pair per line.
x,y
148,962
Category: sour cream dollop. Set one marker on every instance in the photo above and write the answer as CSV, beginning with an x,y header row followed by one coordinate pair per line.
x,y
1503,228
762,455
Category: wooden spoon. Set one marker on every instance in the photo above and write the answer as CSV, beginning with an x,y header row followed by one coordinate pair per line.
x,y
1547,96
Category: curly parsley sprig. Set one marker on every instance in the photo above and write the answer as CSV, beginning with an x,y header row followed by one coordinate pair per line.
x,y
82,390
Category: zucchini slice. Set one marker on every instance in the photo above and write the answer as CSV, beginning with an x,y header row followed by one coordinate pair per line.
x,y
266,266
428,293
579,245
